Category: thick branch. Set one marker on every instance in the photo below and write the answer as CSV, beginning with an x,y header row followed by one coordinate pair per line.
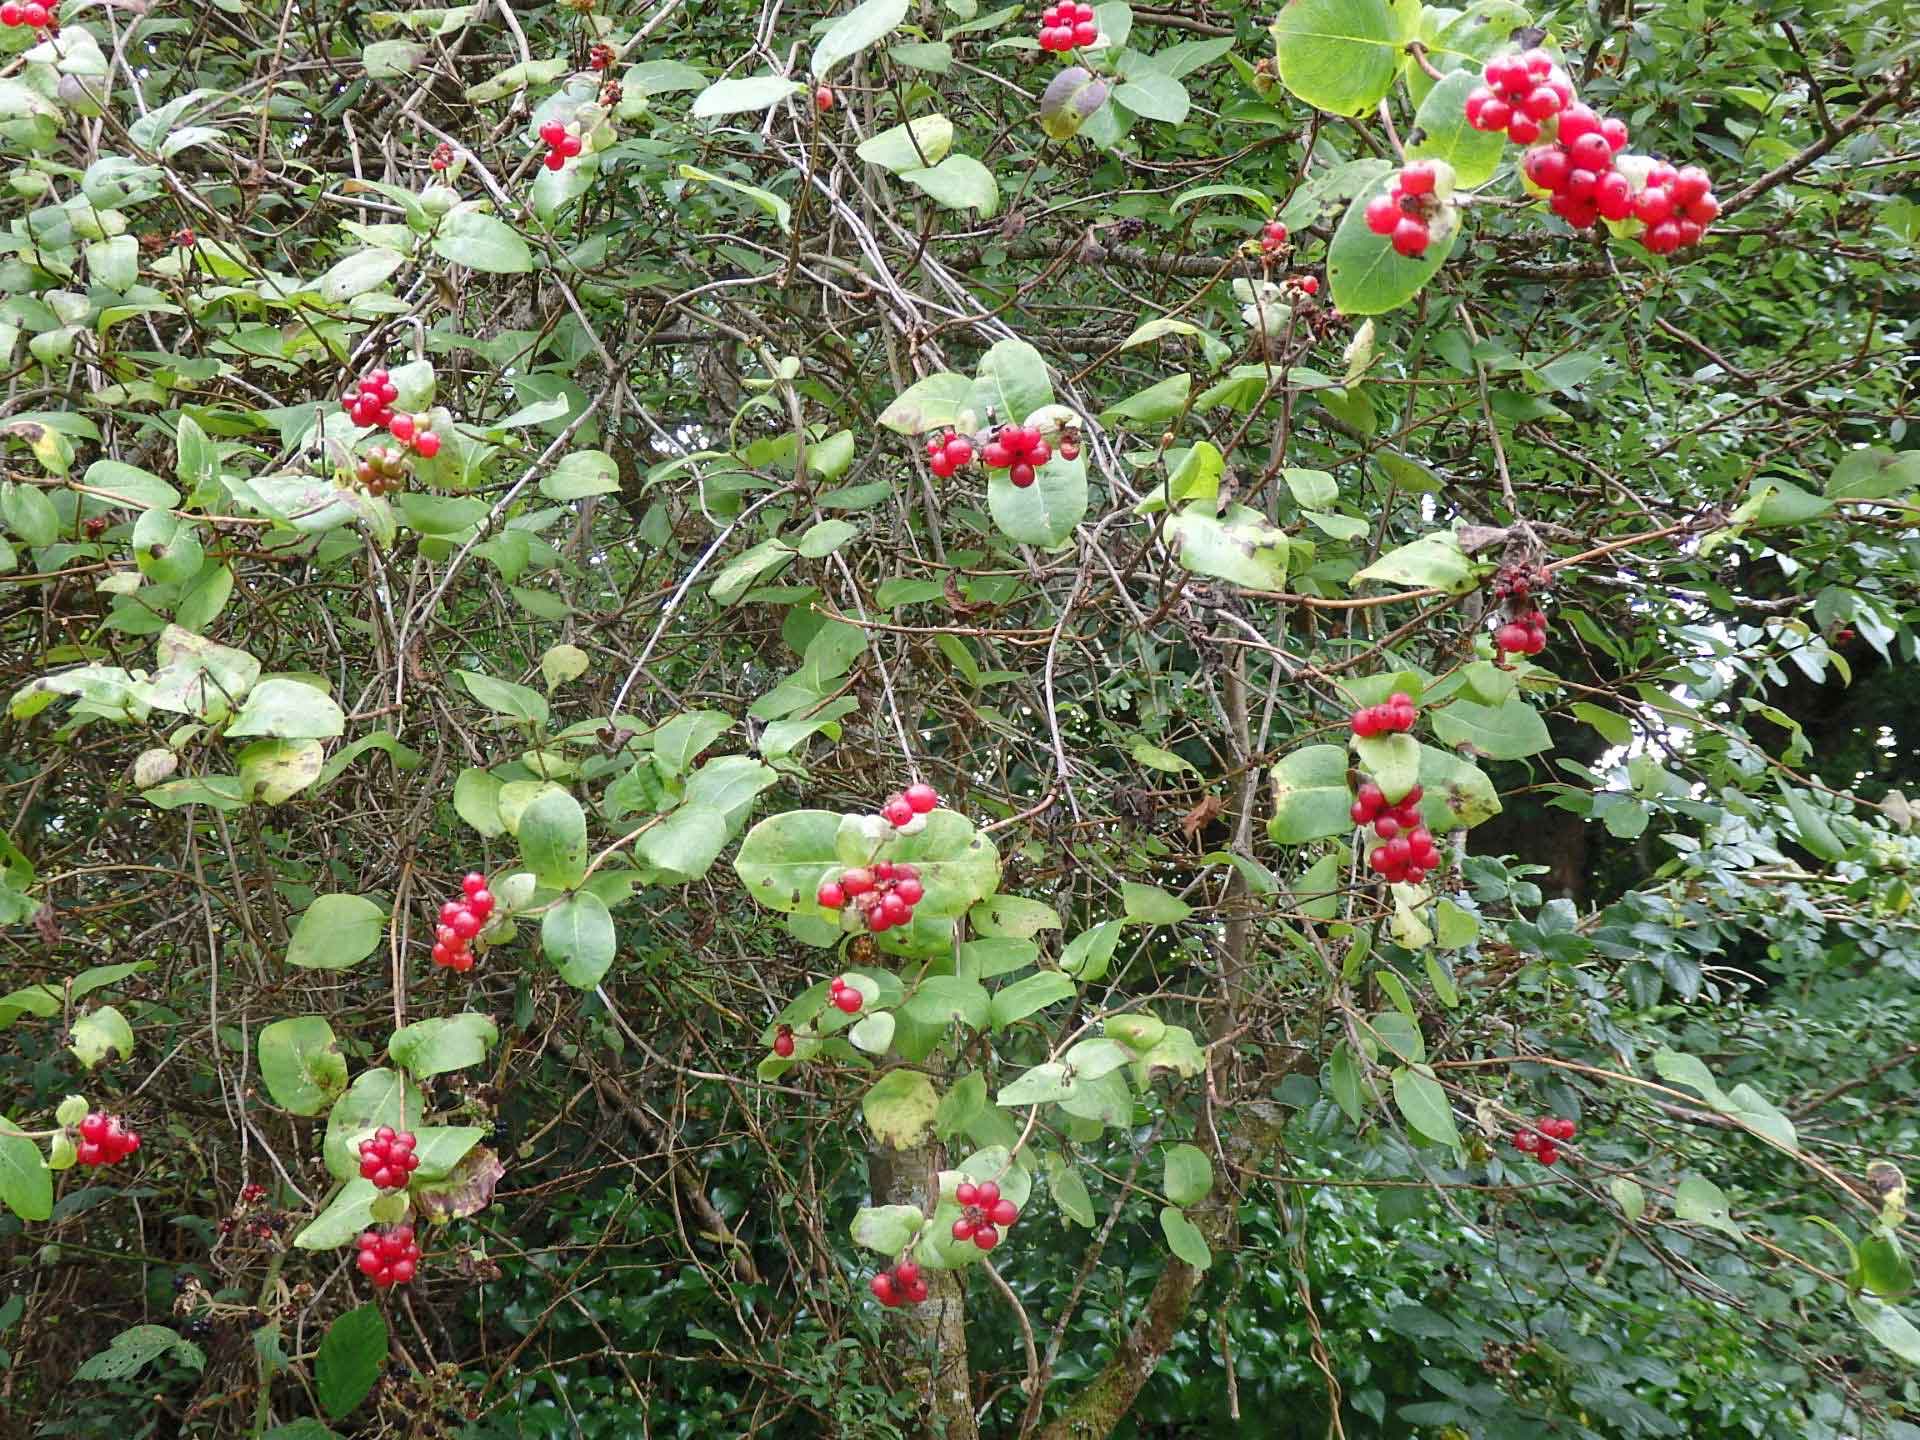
x,y
1896,89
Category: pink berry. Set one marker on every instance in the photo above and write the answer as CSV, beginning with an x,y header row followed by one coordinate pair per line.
x,y
923,798
830,896
897,811
427,444
1085,32
857,881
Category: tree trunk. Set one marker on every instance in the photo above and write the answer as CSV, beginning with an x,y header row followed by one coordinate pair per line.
x,y
931,1337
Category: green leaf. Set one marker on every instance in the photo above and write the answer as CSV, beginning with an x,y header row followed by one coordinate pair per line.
x,y
1072,97
360,272
1045,512
958,182
769,202
301,1063
1311,800
578,936
435,1046
1628,1195
873,1033
1702,1202
1088,954
352,1355
481,242
886,1228
289,710
1184,1238
1154,405
274,771
1153,95
1188,1174
1882,1267
1024,997
1445,135
1241,546
1152,756
99,1033
553,839
1873,473
1150,905
1431,561
864,25
132,486
1499,732
29,514
929,404
130,1352
1343,1082
1038,1086
1680,1069
1457,794
942,1000
1393,762
900,1107
503,697
735,97
581,473
1424,1104
26,1185
1340,56
476,799
336,931
1013,917
1070,1195
918,145
1887,1325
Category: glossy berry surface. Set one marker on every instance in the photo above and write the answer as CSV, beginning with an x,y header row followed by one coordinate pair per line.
x,y
388,1256
387,1158
104,1140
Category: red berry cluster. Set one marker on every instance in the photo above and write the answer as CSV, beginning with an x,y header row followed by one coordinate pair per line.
x,y
1519,94
1405,213
371,401
1524,632
783,1042
902,1285
846,998
600,57
382,469
562,144
1019,450
983,1213
252,1194
883,894
442,156
388,1257
104,1140
900,808
1273,237
34,15
1065,26
1393,718
948,452
460,921
1580,165
1406,851
1537,1141
387,1158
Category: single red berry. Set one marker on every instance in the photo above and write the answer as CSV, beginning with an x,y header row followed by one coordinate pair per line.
x,y
1548,1153
1003,1213
94,1126
783,1043
1525,1140
896,907
1418,178
906,1272
1085,32
10,14
989,1191
1614,196
34,15
1386,827
958,451
986,1237
1541,103
466,924
882,1284
401,427
823,98
1689,184
857,881
967,1193
1523,129
570,145
427,444
963,1229
909,892
1615,132
554,160
1021,474
1652,205
830,896
480,904
1309,285
472,881
1511,638
1411,237
1547,167
922,798
1577,120
1590,152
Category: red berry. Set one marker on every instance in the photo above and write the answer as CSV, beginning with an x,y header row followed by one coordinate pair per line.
x,y
555,160
1410,237
466,925
906,1272
1003,1213
1652,205
1511,638
1614,196
1085,32
1704,211
922,797
963,1229
480,904
1386,827
427,443
958,451
1688,233
1021,474
966,1193
1578,120
1495,114
1541,103
1525,1140
473,881
783,1044
830,896
988,1192
1309,285
1382,214
1547,167
897,811
823,98
1590,152
941,466
986,1237
442,955
34,15
909,892
1548,1153
1690,184
10,14
1523,130
1418,178
896,907
94,1126
881,1284
553,132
